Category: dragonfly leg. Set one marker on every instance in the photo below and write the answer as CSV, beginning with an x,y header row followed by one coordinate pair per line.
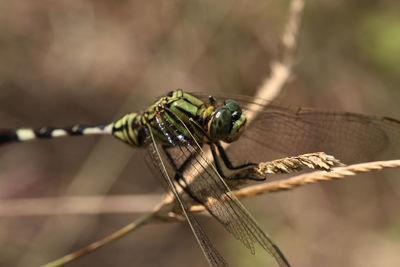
x,y
228,164
179,172
227,161
225,158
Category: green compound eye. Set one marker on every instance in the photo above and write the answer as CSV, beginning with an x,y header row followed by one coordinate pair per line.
x,y
227,123
221,124
232,105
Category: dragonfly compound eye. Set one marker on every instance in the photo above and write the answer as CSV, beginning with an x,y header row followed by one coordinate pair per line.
x,y
233,106
227,124
238,120
221,124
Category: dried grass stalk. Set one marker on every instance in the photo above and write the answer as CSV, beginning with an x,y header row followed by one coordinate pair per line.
x,y
318,161
318,176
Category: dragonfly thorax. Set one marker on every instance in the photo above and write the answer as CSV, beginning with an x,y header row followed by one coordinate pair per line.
x,y
182,116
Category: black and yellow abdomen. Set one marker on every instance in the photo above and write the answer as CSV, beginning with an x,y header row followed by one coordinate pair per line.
x,y
129,129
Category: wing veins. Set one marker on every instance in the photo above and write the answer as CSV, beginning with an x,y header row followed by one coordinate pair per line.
x,y
212,255
239,217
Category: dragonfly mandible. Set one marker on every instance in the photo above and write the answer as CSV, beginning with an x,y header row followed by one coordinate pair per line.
x,y
179,127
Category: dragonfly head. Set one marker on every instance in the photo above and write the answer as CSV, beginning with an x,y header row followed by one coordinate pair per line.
x,y
227,122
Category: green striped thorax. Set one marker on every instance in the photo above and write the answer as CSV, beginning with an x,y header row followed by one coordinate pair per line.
x,y
190,116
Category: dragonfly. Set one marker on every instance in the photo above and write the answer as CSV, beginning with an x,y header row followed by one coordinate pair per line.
x,y
185,135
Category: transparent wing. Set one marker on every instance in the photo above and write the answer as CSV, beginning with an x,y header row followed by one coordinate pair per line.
x,y
202,182
212,255
279,131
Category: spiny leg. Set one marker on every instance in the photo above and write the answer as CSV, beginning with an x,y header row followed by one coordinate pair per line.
x,y
223,155
212,255
210,188
179,170
228,164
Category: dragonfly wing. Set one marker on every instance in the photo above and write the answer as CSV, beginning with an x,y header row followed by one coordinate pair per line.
x,y
204,184
212,255
281,130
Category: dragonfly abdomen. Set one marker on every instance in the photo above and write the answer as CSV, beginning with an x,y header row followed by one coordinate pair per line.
x,y
28,134
130,129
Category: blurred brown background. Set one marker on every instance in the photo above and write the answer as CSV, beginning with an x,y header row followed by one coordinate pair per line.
x,y
67,62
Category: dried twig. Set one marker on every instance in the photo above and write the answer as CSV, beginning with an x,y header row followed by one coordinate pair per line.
x,y
281,69
144,203
309,178
79,205
163,212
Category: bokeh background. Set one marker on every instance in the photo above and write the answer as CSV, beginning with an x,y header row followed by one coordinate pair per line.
x,y
89,62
